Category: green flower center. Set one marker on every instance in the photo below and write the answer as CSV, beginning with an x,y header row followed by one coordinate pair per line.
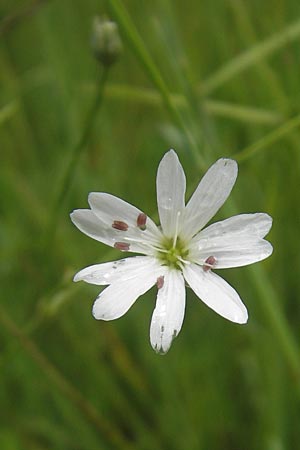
x,y
173,255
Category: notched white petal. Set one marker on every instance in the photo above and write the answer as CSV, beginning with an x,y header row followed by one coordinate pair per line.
x,y
230,251
216,293
87,222
121,270
170,186
211,193
125,239
115,211
248,225
169,311
118,298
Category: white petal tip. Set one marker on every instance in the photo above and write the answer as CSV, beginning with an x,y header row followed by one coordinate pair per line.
x,y
227,162
171,154
77,278
172,151
164,342
101,312
241,318
160,350
271,249
92,196
229,166
98,315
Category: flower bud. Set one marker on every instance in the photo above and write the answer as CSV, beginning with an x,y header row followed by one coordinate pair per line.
x,y
106,42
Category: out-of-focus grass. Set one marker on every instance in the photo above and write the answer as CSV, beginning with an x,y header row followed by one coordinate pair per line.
x,y
223,80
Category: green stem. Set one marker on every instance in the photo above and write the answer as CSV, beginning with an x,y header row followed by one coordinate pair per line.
x,y
274,313
251,57
66,388
269,139
132,36
79,147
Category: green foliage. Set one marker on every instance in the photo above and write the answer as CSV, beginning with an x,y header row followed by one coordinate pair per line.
x,y
209,79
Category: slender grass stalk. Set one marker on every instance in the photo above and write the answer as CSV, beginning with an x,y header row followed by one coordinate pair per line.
x,y
125,92
217,108
250,57
248,36
79,147
274,314
270,305
136,43
90,413
270,138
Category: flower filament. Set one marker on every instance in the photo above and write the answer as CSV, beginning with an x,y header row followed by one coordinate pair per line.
x,y
173,253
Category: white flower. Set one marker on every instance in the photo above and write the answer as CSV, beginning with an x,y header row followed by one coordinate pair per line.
x,y
177,252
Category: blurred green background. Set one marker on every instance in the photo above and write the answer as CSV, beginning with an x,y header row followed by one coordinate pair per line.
x,y
210,79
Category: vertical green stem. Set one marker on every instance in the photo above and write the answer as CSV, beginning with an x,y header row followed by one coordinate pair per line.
x,y
132,36
270,305
79,147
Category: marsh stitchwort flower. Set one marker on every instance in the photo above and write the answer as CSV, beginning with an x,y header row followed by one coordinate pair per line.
x,y
179,251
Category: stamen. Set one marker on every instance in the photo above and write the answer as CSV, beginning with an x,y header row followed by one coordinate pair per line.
x,y
176,229
160,282
122,246
119,225
141,221
209,263
145,243
184,261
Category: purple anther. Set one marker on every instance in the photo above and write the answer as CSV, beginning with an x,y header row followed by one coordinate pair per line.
x,y
160,282
122,246
209,263
119,225
141,221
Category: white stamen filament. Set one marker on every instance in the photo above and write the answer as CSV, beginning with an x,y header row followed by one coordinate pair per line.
x,y
144,243
176,229
184,261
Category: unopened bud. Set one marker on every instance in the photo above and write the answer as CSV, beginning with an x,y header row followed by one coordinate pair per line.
x,y
106,42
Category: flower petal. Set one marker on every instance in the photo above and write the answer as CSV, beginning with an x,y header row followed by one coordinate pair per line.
x,y
216,293
168,314
91,225
211,193
121,270
115,300
170,186
257,224
233,242
87,222
112,209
